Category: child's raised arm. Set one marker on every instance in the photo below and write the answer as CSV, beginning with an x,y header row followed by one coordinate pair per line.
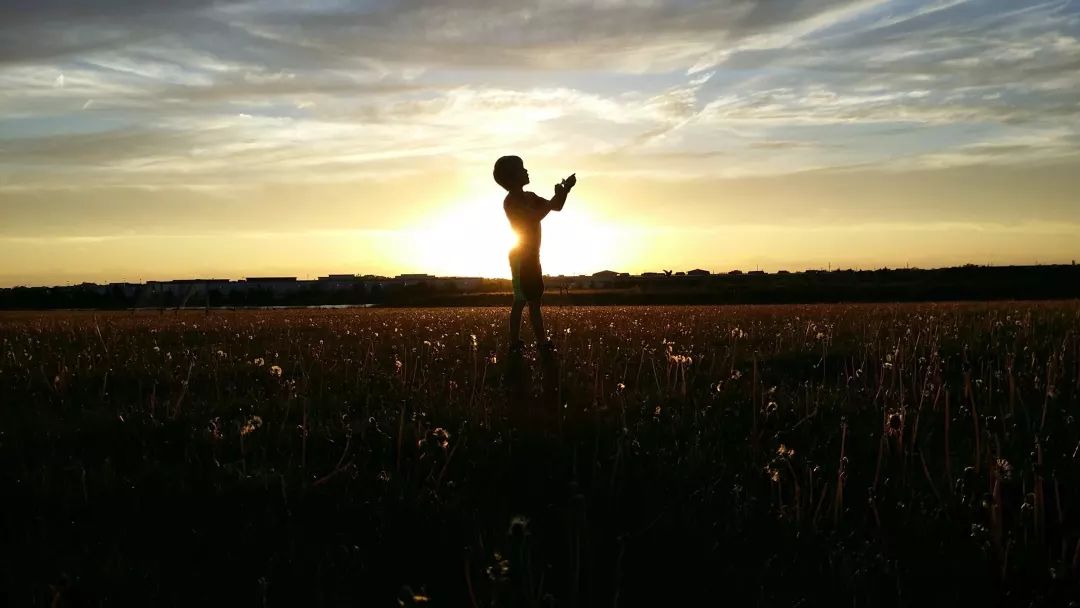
x,y
561,190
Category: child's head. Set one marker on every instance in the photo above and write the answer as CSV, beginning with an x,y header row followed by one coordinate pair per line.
x,y
510,172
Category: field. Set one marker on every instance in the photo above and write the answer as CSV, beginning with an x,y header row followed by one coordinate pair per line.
x,y
855,455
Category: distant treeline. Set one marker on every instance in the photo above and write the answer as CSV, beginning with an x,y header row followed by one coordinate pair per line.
x,y
883,285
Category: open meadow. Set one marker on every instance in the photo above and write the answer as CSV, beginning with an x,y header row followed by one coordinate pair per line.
x,y
856,455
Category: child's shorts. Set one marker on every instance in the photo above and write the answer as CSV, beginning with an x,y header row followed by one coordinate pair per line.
x,y
527,276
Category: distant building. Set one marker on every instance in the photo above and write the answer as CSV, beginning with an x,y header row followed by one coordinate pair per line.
x,y
680,274
407,279
276,285
605,274
339,277
698,272
338,282
756,272
736,271
653,274
182,291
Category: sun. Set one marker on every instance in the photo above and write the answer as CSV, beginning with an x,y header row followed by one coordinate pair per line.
x,y
472,238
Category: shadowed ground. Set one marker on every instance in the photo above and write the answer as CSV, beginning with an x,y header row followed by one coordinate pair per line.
x,y
871,455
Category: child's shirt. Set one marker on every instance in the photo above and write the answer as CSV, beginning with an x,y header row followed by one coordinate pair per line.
x,y
525,210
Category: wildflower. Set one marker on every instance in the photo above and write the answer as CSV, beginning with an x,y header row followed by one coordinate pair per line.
x,y
259,362
221,354
656,412
519,526
820,335
785,452
440,437
397,365
736,374
406,597
251,425
774,474
215,429
1004,469
620,387
894,424
157,349
275,370
500,570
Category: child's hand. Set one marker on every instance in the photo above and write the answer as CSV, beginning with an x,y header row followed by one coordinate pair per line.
x,y
566,184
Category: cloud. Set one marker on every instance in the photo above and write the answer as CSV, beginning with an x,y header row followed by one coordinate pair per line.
x,y
196,103
631,35
36,30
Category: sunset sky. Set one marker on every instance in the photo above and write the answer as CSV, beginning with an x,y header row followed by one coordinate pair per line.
x,y
143,140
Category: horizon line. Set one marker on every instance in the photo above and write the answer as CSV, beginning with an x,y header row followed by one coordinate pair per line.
x,y
699,272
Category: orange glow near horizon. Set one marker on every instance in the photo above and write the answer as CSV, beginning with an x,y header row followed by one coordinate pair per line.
x,y
474,237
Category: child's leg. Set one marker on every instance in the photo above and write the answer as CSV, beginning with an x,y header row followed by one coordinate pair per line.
x,y
537,321
515,321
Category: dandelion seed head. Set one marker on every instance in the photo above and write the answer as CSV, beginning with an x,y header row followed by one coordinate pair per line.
x,y
440,437
252,425
1005,469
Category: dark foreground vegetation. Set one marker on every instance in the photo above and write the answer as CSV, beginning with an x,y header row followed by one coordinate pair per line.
x,y
847,455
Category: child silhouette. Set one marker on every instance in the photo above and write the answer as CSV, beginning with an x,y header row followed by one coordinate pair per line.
x,y
525,210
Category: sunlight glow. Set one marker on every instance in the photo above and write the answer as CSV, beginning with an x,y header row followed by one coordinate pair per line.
x,y
474,237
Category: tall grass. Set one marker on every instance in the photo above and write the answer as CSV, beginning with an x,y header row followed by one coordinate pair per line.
x,y
771,455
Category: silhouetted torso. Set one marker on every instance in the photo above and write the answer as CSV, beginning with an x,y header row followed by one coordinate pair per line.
x,y
525,210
